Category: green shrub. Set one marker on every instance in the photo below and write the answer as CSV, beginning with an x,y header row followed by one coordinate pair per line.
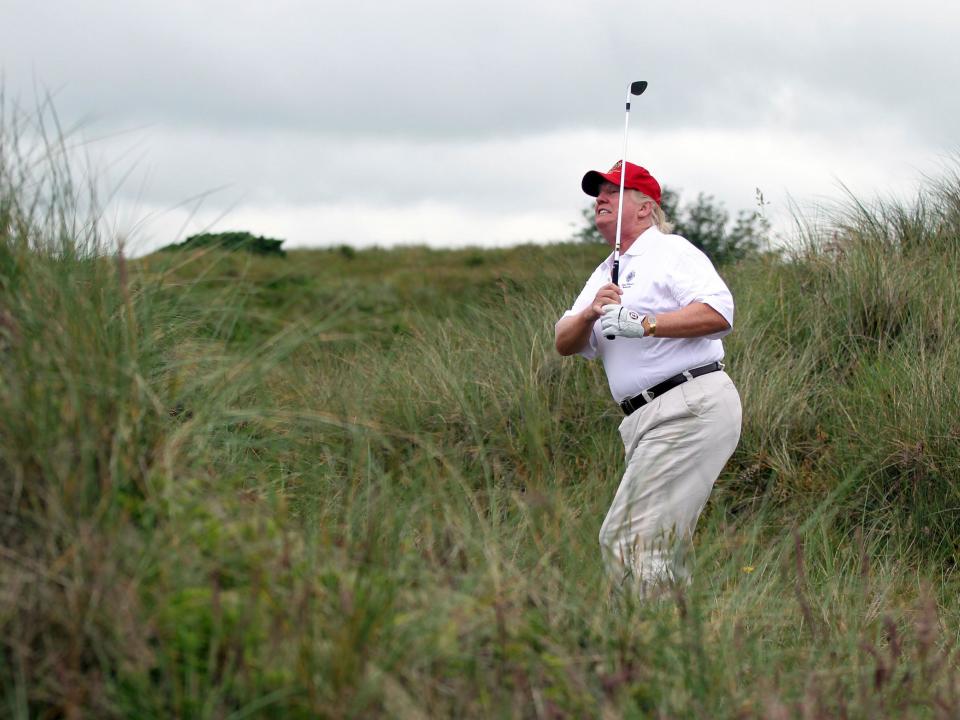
x,y
231,242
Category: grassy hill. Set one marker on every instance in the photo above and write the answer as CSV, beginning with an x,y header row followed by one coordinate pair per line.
x,y
362,484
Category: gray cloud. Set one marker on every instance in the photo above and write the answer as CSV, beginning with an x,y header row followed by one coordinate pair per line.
x,y
426,69
319,112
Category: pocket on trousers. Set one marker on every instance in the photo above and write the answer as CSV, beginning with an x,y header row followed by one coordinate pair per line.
x,y
695,397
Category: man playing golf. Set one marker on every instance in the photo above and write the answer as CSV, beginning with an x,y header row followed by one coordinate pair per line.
x,y
658,333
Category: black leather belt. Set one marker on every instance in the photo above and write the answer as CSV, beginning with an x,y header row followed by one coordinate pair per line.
x,y
638,401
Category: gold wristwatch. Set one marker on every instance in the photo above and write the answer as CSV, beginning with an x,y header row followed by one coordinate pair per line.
x,y
652,324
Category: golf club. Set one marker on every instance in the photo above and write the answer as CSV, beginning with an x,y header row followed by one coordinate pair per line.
x,y
636,88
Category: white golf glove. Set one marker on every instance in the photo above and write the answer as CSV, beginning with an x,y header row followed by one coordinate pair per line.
x,y
623,322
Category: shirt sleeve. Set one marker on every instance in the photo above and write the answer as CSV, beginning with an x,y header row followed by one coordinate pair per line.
x,y
696,280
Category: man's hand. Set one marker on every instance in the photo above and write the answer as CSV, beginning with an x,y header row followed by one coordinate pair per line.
x,y
572,333
609,294
623,322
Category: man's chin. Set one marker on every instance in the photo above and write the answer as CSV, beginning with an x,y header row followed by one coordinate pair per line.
x,y
608,235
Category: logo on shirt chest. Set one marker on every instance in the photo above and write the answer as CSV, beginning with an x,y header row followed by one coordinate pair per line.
x,y
628,280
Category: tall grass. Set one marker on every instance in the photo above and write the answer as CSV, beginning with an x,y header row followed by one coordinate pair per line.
x,y
364,484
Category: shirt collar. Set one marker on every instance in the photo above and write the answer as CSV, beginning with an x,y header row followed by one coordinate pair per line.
x,y
643,240
639,245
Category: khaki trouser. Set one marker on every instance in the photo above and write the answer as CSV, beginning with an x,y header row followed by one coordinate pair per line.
x,y
676,447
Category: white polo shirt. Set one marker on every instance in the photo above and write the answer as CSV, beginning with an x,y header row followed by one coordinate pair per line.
x,y
658,273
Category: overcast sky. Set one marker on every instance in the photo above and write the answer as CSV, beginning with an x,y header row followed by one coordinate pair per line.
x,y
433,122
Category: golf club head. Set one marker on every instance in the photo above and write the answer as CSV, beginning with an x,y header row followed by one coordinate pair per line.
x,y
637,87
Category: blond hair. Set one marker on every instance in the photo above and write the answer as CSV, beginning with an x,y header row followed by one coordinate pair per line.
x,y
658,216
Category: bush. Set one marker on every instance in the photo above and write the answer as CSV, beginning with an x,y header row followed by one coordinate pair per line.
x,y
231,242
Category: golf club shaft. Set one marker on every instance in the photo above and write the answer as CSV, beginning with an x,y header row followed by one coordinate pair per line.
x,y
615,275
623,177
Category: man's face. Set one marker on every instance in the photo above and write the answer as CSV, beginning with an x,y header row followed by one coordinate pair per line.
x,y
605,209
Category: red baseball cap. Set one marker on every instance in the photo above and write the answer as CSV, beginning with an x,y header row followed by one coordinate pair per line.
x,y
637,179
